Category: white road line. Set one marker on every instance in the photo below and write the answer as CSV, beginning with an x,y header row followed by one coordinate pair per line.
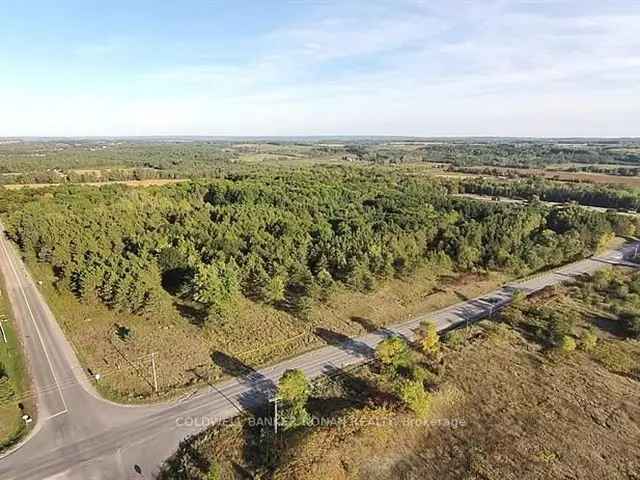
x,y
35,324
57,414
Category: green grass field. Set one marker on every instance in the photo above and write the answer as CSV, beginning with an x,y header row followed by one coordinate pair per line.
x,y
13,380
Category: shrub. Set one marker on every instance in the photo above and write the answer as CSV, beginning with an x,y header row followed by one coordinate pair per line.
x,y
499,332
393,351
631,321
588,341
602,278
513,315
422,375
415,397
455,338
214,471
428,337
294,390
518,298
564,323
567,344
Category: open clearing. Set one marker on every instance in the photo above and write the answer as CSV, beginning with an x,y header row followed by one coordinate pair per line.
x,y
257,334
502,409
600,178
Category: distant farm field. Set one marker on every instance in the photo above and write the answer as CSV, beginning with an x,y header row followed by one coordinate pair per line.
x,y
598,178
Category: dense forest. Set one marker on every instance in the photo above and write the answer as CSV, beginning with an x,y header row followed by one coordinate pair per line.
x,y
283,238
551,191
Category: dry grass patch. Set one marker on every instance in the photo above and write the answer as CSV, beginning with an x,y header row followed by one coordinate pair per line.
x,y
622,357
520,412
598,178
255,335
506,407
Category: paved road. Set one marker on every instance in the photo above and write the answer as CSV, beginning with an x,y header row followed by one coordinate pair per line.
x,y
81,436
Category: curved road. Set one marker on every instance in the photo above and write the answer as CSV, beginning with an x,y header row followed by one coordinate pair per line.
x,y
81,436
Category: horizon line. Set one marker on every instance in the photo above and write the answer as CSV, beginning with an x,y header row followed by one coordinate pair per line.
x,y
318,136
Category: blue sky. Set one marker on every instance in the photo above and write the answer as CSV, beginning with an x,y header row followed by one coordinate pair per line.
x,y
323,67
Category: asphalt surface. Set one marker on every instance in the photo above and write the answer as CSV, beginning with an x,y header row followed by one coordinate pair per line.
x,y
80,436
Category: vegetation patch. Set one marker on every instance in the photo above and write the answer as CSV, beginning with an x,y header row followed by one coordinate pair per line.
x,y
15,399
266,258
537,188
500,404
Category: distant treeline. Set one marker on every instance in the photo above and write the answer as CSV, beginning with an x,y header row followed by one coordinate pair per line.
x,y
528,155
551,191
283,238
114,175
607,170
515,155
82,163
122,160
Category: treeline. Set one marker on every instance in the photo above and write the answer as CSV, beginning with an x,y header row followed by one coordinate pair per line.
x,y
607,170
71,176
283,238
522,155
585,194
526,154
120,161
62,157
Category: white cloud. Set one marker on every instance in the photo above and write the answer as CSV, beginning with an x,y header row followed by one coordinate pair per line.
x,y
410,68
339,38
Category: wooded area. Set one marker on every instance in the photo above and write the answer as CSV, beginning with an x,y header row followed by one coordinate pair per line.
x,y
282,238
551,191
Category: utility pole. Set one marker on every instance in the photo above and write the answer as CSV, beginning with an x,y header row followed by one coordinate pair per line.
x,y
155,374
274,400
275,420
